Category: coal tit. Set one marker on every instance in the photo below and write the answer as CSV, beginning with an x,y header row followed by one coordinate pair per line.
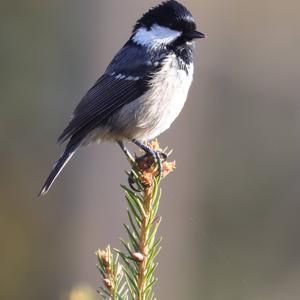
x,y
142,90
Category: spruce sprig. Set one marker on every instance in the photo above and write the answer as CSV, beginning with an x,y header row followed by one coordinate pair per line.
x,y
135,277
112,274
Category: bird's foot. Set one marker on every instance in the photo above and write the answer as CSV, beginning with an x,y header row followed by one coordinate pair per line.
x,y
151,158
149,163
145,163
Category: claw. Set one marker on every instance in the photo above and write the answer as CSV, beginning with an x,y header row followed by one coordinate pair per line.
x,y
164,156
160,157
132,184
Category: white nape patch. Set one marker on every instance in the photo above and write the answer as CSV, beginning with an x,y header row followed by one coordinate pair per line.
x,y
157,36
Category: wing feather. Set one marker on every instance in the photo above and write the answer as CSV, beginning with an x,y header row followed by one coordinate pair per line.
x,y
105,97
111,91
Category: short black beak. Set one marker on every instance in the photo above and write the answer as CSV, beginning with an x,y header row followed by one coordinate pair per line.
x,y
195,35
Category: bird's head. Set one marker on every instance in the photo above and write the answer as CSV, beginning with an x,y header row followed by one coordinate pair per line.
x,y
166,25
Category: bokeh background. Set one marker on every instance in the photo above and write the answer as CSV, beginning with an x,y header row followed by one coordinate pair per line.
x,y
230,211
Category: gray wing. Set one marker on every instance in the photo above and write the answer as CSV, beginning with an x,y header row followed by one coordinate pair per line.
x,y
106,96
124,81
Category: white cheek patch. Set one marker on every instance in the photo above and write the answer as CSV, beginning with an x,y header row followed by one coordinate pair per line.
x,y
157,36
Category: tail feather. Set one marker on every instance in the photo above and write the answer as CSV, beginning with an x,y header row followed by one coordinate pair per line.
x,y
60,164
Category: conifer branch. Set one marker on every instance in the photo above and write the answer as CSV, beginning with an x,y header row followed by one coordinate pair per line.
x,y
135,278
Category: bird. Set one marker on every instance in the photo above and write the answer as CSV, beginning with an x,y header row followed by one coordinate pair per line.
x,y
143,89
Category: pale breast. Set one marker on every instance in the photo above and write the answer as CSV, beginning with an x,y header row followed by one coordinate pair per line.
x,y
154,112
165,100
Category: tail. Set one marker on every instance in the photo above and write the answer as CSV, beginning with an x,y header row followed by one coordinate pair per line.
x,y
60,164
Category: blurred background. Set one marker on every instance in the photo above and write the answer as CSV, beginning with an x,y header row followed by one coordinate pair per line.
x,y
230,211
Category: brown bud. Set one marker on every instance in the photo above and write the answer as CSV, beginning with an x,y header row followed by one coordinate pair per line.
x,y
168,167
138,256
107,283
103,255
147,179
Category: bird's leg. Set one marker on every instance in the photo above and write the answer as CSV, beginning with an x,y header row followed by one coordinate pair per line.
x,y
126,151
131,161
157,156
